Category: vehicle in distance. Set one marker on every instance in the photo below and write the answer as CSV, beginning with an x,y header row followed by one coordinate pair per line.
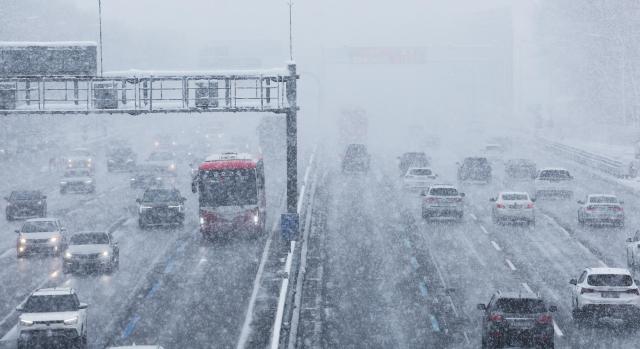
x,y
25,204
633,251
40,235
510,206
519,319
146,177
356,158
163,161
121,159
601,209
494,151
605,292
231,195
50,317
418,178
554,182
160,206
80,158
474,170
412,159
91,251
442,200
77,180
138,347
520,169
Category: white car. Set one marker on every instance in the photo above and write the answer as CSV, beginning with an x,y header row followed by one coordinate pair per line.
x,y
554,182
601,292
91,251
40,235
513,206
52,315
418,178
601,208
77,181
442,200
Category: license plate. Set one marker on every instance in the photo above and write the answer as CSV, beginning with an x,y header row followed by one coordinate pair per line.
x,y
521,324
515,206
610,295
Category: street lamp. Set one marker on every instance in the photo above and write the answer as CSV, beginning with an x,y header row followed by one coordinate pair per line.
x,y
100,24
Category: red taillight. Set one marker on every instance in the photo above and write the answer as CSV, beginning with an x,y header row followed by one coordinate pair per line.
x,y
587,290
633,291
618,208
496,317
590,208
458,199
530,205
545,319
499,206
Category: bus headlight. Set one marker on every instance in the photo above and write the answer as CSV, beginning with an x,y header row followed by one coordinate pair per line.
x,y
201,220
256,219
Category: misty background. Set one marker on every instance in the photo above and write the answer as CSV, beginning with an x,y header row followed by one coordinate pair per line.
x,y
567,67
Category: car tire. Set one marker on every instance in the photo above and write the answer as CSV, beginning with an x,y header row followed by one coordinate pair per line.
x,y
620,224
83,342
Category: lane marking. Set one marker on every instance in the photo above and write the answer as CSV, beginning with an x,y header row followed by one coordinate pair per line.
x,y
484,230
407,244
511,266
131,326
526,287
7,253
434,323
582,246
557,329
414,263
473,216
153,290
496,246
424,291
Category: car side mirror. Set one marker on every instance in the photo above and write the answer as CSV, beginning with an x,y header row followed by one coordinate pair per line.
x,y
139,201
581,202
481,306
19,308
629,240
184,199
573,282
553,308
533,199
83,306
423,193
63,229
44,197
462,195
492,199
17,231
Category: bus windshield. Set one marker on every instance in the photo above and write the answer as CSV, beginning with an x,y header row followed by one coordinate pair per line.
x,y
228,188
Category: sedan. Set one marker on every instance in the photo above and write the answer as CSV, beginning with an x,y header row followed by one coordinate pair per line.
x,y
599,209
91,251
513,207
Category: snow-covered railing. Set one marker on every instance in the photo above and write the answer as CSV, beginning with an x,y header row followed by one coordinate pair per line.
x,y
139,92
610,166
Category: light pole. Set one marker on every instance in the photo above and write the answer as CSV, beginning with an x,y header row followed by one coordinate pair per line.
x,y
100,24
290,3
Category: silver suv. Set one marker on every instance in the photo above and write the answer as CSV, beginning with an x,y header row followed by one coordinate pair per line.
x,y
52,316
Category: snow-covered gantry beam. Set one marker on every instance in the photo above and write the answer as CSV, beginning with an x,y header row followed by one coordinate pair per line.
x,y
142,92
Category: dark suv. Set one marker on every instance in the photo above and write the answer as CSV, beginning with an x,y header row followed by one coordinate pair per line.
x,y
475,169
520,169
517,319
356,159
412,159
161,207
26,204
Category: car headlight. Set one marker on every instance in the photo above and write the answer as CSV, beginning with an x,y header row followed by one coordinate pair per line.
x,y
201,221
172,167
24,322
54,239
40,202
71,321
63,183
104,254
132,179
88,181
68,254
256,219
23,241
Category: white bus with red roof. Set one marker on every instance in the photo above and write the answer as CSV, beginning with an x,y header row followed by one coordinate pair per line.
x,y
231,194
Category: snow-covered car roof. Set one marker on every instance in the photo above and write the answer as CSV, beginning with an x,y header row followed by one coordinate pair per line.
x,y
513,193
607,270
138,347
443,186
554,169
55,291
48,219
602,196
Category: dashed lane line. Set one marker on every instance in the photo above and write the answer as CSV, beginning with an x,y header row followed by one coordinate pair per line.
x,y
582,246
526,287
473,216
496,246
484,230
511,266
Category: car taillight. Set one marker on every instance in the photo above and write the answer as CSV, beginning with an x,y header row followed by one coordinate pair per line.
x,y
587,290
633,291
590,208
499,206
496,317
530,205
457,199
545,319
618,208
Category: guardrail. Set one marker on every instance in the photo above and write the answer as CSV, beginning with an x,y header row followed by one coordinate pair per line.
x,y
613,167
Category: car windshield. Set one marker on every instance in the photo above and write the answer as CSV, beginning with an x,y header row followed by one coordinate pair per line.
x,y
514,197
161,195
520,305
25,195
161,156
443,192
555,174
420,172
39,227
609,280
476,162
70,174
89,239
121,152
603,200
51,304
356,150
228,188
